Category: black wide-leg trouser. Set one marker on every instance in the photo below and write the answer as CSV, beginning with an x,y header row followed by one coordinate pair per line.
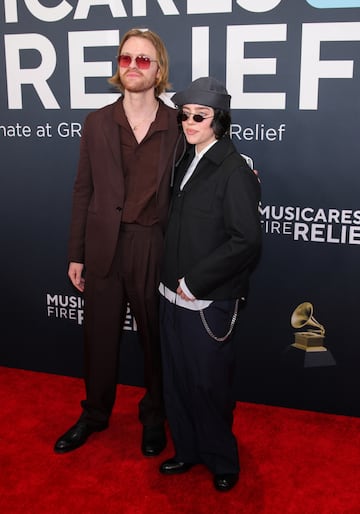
x,y
198,394
133,279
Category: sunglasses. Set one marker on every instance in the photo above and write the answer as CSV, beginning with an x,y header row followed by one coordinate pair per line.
x,y
142,61
196,117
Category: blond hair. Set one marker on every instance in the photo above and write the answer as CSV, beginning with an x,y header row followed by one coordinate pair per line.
x,y
162,82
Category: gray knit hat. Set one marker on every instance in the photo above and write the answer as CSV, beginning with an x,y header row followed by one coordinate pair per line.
x,y
204,91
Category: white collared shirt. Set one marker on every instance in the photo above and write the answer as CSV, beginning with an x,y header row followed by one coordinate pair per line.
x,y
194,163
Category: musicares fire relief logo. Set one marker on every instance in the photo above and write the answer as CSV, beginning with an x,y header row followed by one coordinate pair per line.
x,y
71,308
311,224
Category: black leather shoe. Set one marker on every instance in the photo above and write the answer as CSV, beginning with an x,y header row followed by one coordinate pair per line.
x,y
153,440
76,436
226,481
173,467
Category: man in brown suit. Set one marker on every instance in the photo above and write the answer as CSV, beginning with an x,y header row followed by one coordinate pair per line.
x,y
120,204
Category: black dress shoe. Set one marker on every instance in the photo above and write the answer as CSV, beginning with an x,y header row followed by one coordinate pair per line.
x,y
173,467
153,440
226,481
76,436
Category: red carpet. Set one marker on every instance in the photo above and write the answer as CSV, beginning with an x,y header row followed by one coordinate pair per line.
x,y
293,462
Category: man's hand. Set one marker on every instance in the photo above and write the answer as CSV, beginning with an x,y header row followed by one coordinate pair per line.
x,y
75,275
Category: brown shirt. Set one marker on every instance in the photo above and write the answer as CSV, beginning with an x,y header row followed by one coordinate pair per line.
x,y
140,168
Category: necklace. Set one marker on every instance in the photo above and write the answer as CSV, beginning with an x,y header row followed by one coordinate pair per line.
x,y
135,127
137,124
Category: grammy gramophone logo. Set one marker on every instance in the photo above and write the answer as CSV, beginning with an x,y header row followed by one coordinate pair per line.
x,y
310,336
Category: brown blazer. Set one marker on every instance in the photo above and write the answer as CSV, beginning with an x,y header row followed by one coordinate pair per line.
x,y
98,194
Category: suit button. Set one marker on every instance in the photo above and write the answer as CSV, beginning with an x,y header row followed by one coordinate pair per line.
x,y
119,208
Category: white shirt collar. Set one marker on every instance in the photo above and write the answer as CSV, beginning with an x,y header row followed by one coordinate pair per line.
x,y
198,155
194,163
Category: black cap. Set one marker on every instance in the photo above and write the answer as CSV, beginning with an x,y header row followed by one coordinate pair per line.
x,y
204,91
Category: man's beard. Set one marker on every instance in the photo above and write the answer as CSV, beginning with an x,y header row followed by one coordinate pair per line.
x,y
141,85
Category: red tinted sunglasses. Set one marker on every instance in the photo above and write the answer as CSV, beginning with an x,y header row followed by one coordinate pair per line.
x,y
142,61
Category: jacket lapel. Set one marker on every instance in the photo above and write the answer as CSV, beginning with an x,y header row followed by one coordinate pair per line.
x,y
212,159
183,166
112,134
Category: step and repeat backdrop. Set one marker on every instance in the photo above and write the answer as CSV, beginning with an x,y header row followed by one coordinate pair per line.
x,y
293,70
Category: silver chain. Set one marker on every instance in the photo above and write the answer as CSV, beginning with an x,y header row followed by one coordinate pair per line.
x,y
232,324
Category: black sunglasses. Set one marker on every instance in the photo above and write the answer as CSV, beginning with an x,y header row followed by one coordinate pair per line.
x,y
196,117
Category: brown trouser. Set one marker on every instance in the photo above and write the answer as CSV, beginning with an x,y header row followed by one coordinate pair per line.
x,y
133,278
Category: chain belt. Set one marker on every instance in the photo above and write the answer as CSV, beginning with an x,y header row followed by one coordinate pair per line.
x,y
232,324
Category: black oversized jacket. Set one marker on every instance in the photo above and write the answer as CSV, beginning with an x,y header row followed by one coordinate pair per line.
x,y
213,236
